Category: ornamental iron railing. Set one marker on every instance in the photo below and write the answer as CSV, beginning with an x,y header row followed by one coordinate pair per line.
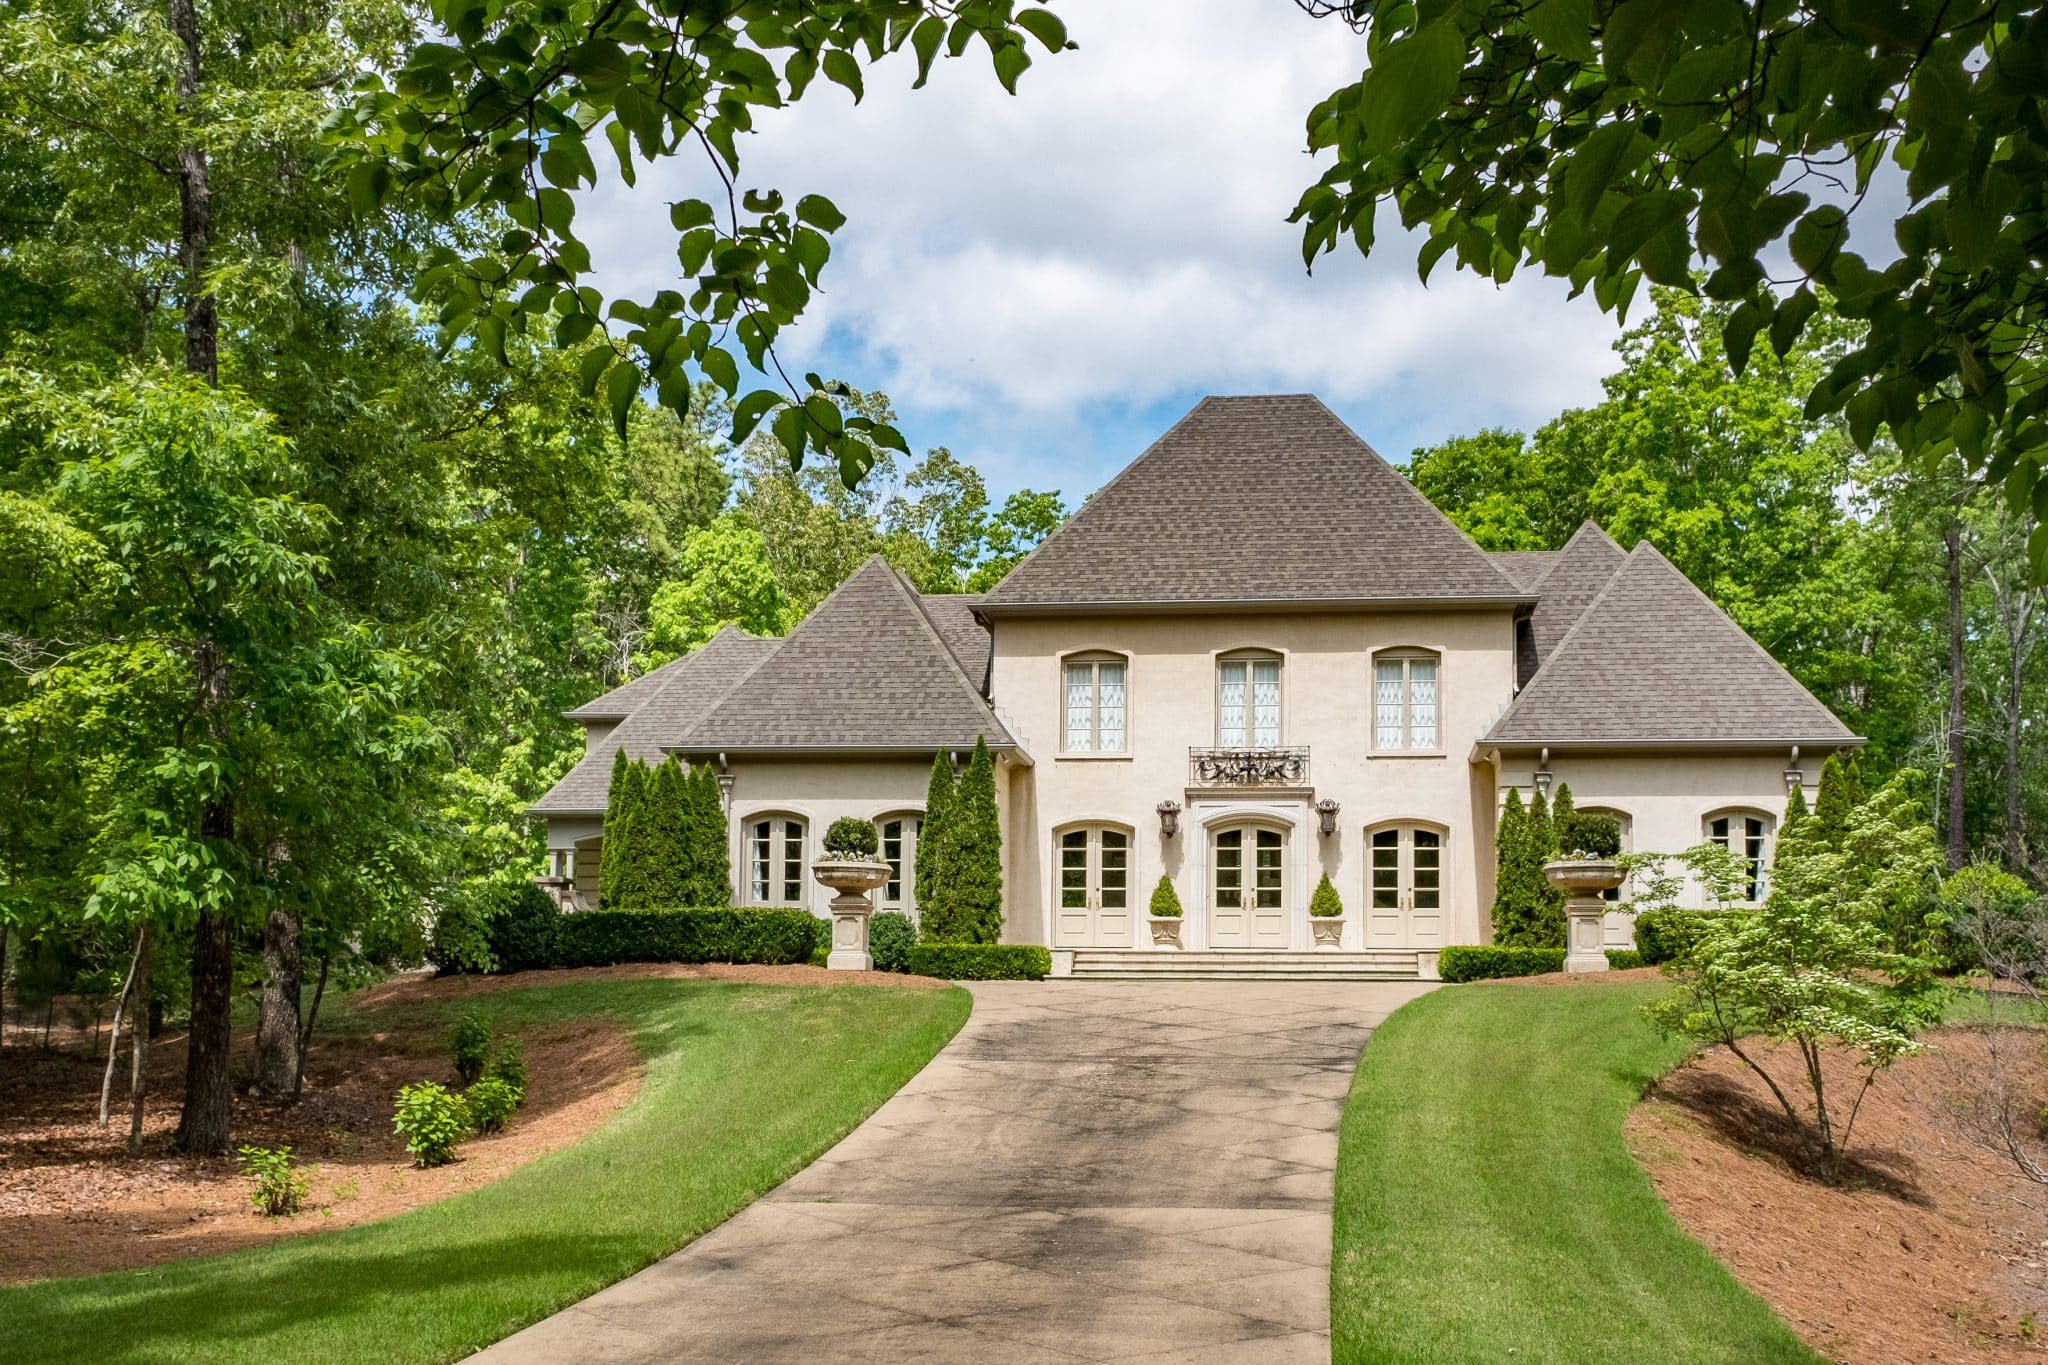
x,y
1240,767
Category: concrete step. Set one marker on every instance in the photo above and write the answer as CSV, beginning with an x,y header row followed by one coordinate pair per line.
x,y
1240,964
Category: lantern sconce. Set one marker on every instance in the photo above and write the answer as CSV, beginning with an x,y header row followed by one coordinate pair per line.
x,y
1795,776
1327,809
1543,775
1169,818
725,783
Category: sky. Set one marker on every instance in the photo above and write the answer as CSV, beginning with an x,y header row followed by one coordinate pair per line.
x,y
1044,283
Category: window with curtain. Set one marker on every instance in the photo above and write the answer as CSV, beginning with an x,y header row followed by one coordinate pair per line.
x,y
775,860
1094,705
1248,703
1404,701
1747,836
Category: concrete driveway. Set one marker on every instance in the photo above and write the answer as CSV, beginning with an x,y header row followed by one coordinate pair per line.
x,y
1114,1170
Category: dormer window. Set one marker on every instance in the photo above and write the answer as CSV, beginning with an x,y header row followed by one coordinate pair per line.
x,y
1248,701
1404,701
1094,703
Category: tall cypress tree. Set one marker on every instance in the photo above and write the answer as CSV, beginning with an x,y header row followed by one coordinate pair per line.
x,y
661,850
1547,930
1562,809
611,853
1795,811
1507,851
974,855
1832,806
709,856
931,843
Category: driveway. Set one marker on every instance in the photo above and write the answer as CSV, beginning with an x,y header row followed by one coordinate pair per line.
x,y
1090,1171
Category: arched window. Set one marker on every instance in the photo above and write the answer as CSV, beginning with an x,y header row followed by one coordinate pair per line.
x,y
1746,834
896,838
1248,700
777,863
1092,703
1404,701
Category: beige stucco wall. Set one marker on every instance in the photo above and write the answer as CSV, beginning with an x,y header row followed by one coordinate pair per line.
x,y
1326,706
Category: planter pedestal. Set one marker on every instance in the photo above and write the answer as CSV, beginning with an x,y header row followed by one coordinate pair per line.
x,y
850,910
1165,931
1328,931
1585,911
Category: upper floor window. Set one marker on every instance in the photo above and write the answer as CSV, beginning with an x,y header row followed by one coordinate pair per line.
x,y
1094,704
1404,701
775,860
1248,701
1747,835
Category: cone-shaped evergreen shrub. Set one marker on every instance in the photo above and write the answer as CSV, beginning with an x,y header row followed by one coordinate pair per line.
x,y
708,883
1795,810
1165,900
1527,911
661,844
623,805
931,843
1841,791
971,909
1562,807
1325,903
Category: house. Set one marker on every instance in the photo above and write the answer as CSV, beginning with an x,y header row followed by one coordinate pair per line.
x,y
1257,655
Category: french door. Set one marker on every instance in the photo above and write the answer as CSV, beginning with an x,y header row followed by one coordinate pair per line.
x,y
1248,888
1094,888
1405,888
896,838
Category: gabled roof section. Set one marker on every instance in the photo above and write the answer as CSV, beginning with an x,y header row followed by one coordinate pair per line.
x,y
1524,568
866,670
624,700
690,687
952,615
1575,577
1652,661
1254,500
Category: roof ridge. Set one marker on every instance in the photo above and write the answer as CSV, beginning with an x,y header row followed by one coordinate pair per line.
x,y
938,641
759,664
1587,525
1585,614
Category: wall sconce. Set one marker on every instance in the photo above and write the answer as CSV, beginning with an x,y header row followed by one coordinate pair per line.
x,y
1794,775
1327,808
1544,777
1169,818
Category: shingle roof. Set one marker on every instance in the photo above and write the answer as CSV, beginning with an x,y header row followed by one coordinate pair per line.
x,y
1267,499
1524,568
952,614
624,700
1582,568
690,687
1652,661
866,670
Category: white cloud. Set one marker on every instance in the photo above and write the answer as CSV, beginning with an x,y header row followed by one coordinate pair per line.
x,y
1115,237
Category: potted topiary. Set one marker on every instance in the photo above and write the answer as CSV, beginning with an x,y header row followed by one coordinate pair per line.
x,y
1165,915
1586,871
1326,915
851,870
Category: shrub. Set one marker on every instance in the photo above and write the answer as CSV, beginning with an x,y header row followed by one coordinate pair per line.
x,y
459,940
1589,835
1663,935
522,932
470,1044
850,837
1165,900
508,1064
1622,959
1994,921
891,936
969,906
280,1189
932,878
1528,912
491,1103
821,942
980,961
598,938
1472,962
432,1120
1325,903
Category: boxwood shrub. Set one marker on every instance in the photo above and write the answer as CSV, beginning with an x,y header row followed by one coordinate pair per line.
x,y
1468,962
979,961
598,938
1621,959
1663,934
891,936
522,932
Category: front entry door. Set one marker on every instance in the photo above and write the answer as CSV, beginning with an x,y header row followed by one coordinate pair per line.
x,y
1095,888
1405,895
1248,892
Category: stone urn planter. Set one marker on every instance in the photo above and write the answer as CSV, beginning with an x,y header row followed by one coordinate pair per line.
x,y
851,879
1328,931
1165,930
1583,880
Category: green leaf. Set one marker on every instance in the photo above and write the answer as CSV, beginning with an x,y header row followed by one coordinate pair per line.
x,y
748,412
1611,152
1738,333
1045,26
1642,218
792,429
368,183
820,213
1011,62
1564,27
1667,257
722,369
842,69
1818,238
1790,320
1410,83
592,366
925,40
622,385
690,213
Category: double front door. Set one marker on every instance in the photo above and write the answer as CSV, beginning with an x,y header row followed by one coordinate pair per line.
x,y
1095,888
1248,888
1404,888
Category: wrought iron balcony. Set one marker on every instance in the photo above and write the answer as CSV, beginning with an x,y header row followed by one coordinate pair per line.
x,y
1248,767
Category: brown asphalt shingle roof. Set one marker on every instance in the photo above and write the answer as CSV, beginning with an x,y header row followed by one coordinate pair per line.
x,y
1266,499
952,614
625,699
1581,569
1524,568
1651,660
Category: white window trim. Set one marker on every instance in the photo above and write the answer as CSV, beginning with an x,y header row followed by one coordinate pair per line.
x,y
1766,855
1405,654
1248,656
1094,658
774,902
907,878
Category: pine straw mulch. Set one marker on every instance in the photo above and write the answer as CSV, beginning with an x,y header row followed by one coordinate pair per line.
x,y
1931,1249
72,1202
423,987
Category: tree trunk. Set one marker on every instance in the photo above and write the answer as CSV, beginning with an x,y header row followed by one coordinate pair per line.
x,y
209,1091
195,210
138,1048
3,985
277,1030
1952,544
306,1034
114,1043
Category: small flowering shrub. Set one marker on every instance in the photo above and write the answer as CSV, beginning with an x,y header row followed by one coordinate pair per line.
x,y
280,1189
432,1120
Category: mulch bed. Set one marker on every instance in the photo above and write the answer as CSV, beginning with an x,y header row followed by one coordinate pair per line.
x,y
1931,1250
424,987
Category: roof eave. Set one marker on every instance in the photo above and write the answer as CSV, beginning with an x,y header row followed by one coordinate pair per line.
x,y
1004,746
1762,743
1220,606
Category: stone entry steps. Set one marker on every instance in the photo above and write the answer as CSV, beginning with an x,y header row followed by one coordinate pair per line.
x,y
1148,964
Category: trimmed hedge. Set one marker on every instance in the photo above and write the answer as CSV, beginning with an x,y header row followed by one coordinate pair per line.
x,y
598,938
1663,934
1621,959
891,936
522,932
1469,962
979,961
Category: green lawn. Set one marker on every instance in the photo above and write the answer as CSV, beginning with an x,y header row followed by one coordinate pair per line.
x,y
1486,1204
745,1085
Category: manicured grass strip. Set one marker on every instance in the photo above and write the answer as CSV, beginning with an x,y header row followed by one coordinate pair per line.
x,y
745,1085
1486,1204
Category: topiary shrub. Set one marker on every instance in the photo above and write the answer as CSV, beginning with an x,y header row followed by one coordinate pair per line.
x,y
1325,903
432,1120
891,936
1165,900
470,1044
980,961
598,938
521,933
850,837
280,1189
491,1104
1474,962
1621,959
508,1064
1583,834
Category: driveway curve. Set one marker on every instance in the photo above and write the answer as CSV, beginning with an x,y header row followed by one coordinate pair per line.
x,y
1090,1171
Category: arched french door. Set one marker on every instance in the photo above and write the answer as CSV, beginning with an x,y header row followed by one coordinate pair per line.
x,y
1248,887
1404,887
1094,888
